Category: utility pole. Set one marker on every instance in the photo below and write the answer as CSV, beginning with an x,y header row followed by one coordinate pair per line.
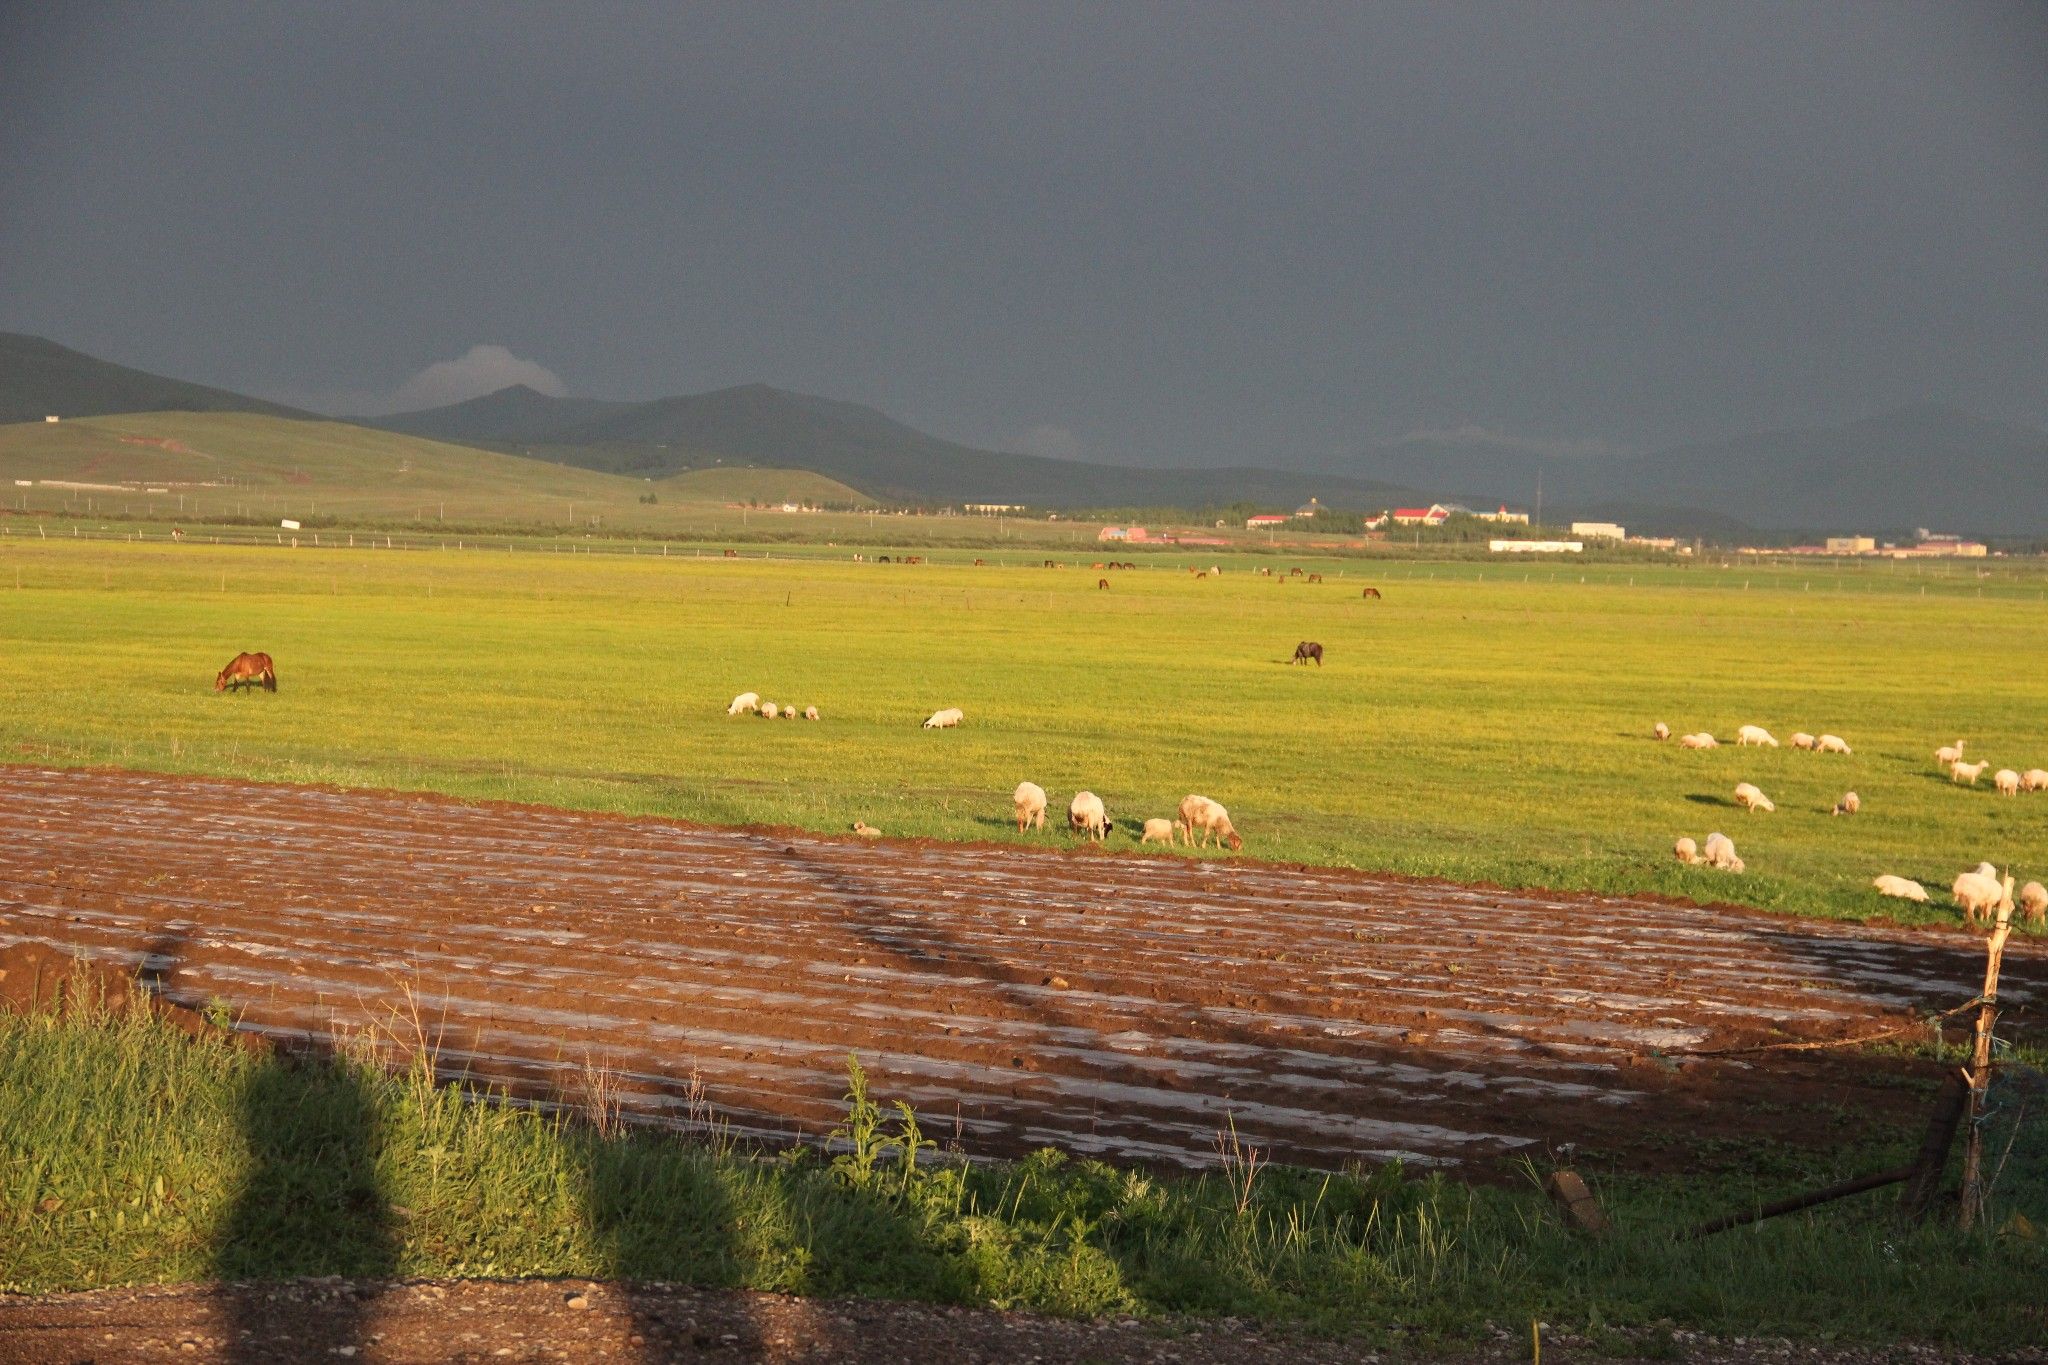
x,y
1539,495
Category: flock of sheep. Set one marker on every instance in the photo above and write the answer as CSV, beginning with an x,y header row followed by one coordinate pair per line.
x,y
1979,893
1085,813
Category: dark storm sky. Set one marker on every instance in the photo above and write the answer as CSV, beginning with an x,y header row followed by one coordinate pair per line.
x,y
1138,231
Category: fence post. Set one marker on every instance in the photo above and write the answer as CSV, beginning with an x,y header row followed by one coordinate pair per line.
x,y
1980,1068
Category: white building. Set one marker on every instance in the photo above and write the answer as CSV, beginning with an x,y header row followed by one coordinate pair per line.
x,y
1536,547
1599,530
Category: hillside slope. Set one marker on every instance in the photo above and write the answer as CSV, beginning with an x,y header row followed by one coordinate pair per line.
x,y
39,378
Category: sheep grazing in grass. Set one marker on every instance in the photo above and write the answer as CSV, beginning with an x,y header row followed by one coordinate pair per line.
x,y
1699,741
1087,816
1754,734
1029,801
1901,888
810,713
1200,813
1660,730
1750,799
1960,771
1831,744
1687,852
1948,755
789,713
1848,805
2034,902
1802,740
1978,895
770,710
1160,832
2006,781
866,830
2034,780
745,701
946,719
1720,852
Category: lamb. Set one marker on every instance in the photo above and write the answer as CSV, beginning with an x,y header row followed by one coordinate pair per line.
x,y
1661,731
745,701
1750,799
1848,805
1200,813
810,713
1960,771
2006,781
1754,734
789,713
1903,888
946,719
1687,852
1087,815
2034,901
770,710
2034,780
1977,894
1699,741
1831,744
1720,852
1948,755
1029,800
1802,740
866,830
1160,832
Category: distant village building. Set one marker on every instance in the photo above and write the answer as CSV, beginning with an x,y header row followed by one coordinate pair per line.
x,y
1941,547
1308,509
993,509
53,417
1851,545
1436,514
1660,543
1122,533
1536,547
1504,515
1599,530
1259,522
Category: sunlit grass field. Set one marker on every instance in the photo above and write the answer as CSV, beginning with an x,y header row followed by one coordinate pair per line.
x,y
1483,722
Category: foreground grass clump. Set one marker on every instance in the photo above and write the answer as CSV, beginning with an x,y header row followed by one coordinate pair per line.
x,y
129,1154
1480,722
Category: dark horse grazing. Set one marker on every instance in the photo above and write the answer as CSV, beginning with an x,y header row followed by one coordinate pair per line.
x,y
247,670
1306,650
1370,592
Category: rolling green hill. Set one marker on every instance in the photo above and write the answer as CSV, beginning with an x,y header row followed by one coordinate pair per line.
x,y
244,464
39,378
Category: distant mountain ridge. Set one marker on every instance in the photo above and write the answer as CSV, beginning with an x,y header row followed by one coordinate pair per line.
x,y
760,424
1926,465
39,378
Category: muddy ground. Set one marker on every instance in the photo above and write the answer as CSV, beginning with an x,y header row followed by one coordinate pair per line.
x,y
1118,1006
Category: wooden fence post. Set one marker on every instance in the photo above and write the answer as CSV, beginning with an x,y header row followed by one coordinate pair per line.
x,y
1980,1068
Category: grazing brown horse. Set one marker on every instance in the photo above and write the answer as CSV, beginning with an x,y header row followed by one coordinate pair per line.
x,y
1315,578
247,670
1306,650
1372,593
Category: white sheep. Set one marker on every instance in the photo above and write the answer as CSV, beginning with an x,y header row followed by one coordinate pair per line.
x,y
2034,780
2006,781
745,701
1750,799
1200,813
866,830
810,713
1698,741
1802,740
1720,852
1660,730
1986,870
789,713
1848,805
2034,902
1687,852
1029,801
1831,744
1948,755
1902,888
1754,734
1086,814
946,719
1977,894
770,710
1160,832
1960,771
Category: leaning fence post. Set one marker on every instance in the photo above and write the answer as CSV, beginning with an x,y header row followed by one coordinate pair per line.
x,y
1980,1068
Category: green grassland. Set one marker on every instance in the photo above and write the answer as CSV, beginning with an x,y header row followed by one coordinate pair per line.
x,y
132,1155
1482,722
240,465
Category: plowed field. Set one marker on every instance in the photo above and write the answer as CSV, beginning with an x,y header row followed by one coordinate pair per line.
x,y
1123,1006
